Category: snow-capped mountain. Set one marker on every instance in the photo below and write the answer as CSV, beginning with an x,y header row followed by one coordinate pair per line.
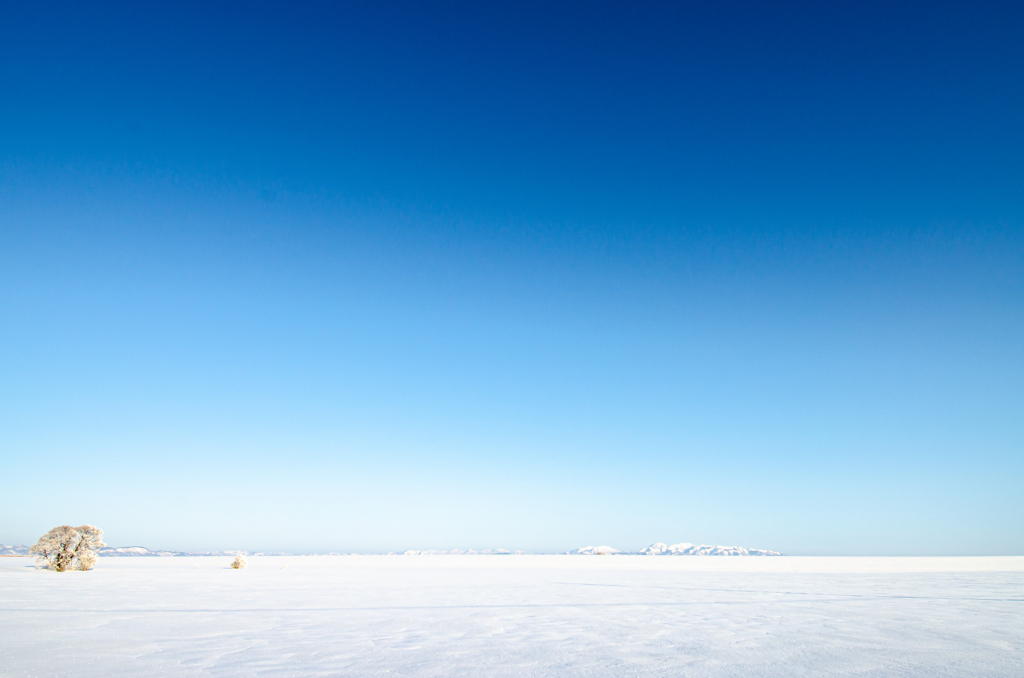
x,y
594,551
459,552
16,550
683,549
20,550
133,551
143,552
657,549
687,549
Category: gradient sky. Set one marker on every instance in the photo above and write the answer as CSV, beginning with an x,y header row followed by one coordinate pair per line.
x,y
343,278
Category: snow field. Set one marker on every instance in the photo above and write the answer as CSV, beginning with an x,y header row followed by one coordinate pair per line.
x,y
515,616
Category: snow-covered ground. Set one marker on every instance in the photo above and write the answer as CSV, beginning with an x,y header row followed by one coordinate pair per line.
x,y
515,616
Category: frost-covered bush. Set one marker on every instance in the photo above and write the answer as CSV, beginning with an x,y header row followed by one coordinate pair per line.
x,y
68,548
239,563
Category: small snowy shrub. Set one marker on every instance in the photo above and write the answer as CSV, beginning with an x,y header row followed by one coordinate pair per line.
x,y
68,548
239,563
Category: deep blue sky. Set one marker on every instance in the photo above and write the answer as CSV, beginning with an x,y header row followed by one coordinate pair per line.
x,y
339,278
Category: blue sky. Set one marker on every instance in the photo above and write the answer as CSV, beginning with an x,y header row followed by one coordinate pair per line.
x,y
332,278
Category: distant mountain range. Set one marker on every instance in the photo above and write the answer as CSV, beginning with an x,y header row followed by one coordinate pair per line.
x,y
139,551
16,550
658,549
683,549
594,551
458,552
142,551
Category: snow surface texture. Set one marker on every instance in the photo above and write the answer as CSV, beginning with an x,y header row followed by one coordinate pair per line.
x,y
515,616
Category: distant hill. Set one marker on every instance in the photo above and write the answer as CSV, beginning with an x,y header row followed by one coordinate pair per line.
x,y
657,549
22,550
143,552
683,549
687,549
458,552
16,550
594,551
128,551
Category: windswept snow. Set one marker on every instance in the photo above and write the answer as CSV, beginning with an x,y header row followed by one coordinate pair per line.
x,y
525,616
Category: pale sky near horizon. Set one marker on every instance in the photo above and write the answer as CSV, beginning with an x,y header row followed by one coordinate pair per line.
x,y
434,276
